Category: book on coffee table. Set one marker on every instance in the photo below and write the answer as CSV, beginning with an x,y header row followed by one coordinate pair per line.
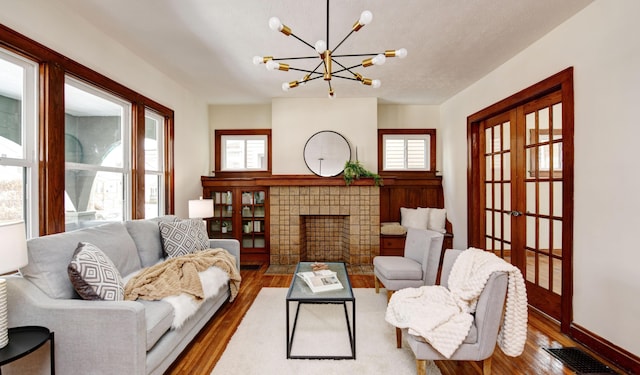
x,y
321,281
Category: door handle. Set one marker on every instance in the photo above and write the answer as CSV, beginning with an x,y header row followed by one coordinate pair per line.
x,y
515,213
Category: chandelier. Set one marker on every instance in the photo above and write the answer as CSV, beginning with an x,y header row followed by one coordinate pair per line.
x,y
328,57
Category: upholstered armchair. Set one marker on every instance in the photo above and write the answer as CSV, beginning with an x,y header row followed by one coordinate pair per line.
x,y
481,340
418,266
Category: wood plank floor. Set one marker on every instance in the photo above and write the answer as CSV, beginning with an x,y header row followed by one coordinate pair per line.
x,y
205,350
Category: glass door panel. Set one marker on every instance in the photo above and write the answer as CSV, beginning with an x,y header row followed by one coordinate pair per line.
x,y
221,224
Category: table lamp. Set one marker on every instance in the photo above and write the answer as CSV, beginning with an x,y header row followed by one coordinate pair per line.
x,y
13,255
200,208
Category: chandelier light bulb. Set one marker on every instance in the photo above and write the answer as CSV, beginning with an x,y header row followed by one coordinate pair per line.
x,y
401,53
257,60
365,17
285,86
272,65
376,83
379,59
275,24
321,46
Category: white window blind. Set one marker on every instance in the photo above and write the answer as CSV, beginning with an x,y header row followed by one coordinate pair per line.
x,y
403,152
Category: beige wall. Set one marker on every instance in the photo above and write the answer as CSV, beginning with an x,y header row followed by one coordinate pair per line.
x,y
295,120
602,44
394,116
350,117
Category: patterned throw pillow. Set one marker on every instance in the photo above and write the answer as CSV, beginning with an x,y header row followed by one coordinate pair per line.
x,y
93,274
183,237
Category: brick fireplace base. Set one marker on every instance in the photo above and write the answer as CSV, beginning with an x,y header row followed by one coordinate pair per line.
x,y
359,206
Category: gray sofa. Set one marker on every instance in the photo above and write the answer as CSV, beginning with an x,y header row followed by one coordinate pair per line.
x,y
102,337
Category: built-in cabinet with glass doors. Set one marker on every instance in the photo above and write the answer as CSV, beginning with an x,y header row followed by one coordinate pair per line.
x,y
241,213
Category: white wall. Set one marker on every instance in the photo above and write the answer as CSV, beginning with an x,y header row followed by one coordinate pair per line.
x,y
295,120
602,43
58,28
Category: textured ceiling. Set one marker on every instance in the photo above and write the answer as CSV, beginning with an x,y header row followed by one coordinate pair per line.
x,y
208,45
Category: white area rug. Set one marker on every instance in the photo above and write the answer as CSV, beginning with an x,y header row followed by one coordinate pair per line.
x,y
259,344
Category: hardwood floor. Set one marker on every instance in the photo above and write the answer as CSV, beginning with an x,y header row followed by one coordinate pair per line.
x,y
205,350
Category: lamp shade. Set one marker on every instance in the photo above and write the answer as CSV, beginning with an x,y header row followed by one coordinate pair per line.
x,y
200,208
13,246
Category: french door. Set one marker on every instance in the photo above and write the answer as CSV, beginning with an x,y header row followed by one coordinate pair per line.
x,y
521,193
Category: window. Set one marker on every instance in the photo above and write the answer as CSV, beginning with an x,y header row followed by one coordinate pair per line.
x,y
18,124
406,150
243,151
97,156
72,143
153,164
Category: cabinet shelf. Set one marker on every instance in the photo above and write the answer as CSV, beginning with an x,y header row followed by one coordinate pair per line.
x,y
244,210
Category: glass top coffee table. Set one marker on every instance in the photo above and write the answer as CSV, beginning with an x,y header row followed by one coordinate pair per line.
x,y
300,293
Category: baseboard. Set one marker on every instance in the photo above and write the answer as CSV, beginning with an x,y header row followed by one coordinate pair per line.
x,y
613,353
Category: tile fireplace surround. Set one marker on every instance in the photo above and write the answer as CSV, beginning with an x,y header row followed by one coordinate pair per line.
x,y
298,214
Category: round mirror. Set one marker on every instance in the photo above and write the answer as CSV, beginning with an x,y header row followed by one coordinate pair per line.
x,y
326,152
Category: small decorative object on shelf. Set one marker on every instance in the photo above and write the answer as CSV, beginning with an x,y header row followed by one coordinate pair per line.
x,y
353,170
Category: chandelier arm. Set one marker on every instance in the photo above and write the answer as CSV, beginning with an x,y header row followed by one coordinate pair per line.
x,y
295,36
357,55
304,70
349,78
344,68
342,41
294,58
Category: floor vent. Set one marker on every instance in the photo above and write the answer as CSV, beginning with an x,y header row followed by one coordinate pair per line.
x,y
579,361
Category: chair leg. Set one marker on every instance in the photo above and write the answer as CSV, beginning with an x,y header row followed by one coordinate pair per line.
x,y
389,293
398,338
421,367
376,282
486,366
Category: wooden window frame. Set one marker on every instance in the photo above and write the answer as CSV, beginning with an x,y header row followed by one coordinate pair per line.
x,y
53,67
408,173
240,132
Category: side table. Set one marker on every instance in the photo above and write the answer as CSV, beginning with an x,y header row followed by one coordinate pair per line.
x,y
24,341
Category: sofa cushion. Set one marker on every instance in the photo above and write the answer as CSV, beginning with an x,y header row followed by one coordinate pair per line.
x,y
50,255
146,235
93,274
158,318
183,237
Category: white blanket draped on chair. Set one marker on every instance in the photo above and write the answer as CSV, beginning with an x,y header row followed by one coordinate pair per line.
x,y
443,316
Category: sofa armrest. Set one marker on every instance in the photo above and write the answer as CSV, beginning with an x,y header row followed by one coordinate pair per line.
x,y
229,244
111,334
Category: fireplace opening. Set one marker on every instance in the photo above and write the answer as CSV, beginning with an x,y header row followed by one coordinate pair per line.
x,y
324,238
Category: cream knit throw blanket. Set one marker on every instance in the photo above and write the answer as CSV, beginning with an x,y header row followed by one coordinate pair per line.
x,y
443,316
180,275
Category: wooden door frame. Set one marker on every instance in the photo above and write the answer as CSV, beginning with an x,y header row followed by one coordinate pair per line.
x,y
562,81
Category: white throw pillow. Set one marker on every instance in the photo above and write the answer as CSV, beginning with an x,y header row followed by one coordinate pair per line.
x,y
414,218
437,219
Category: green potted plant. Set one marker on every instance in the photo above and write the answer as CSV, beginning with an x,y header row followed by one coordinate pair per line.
x,y
353,170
